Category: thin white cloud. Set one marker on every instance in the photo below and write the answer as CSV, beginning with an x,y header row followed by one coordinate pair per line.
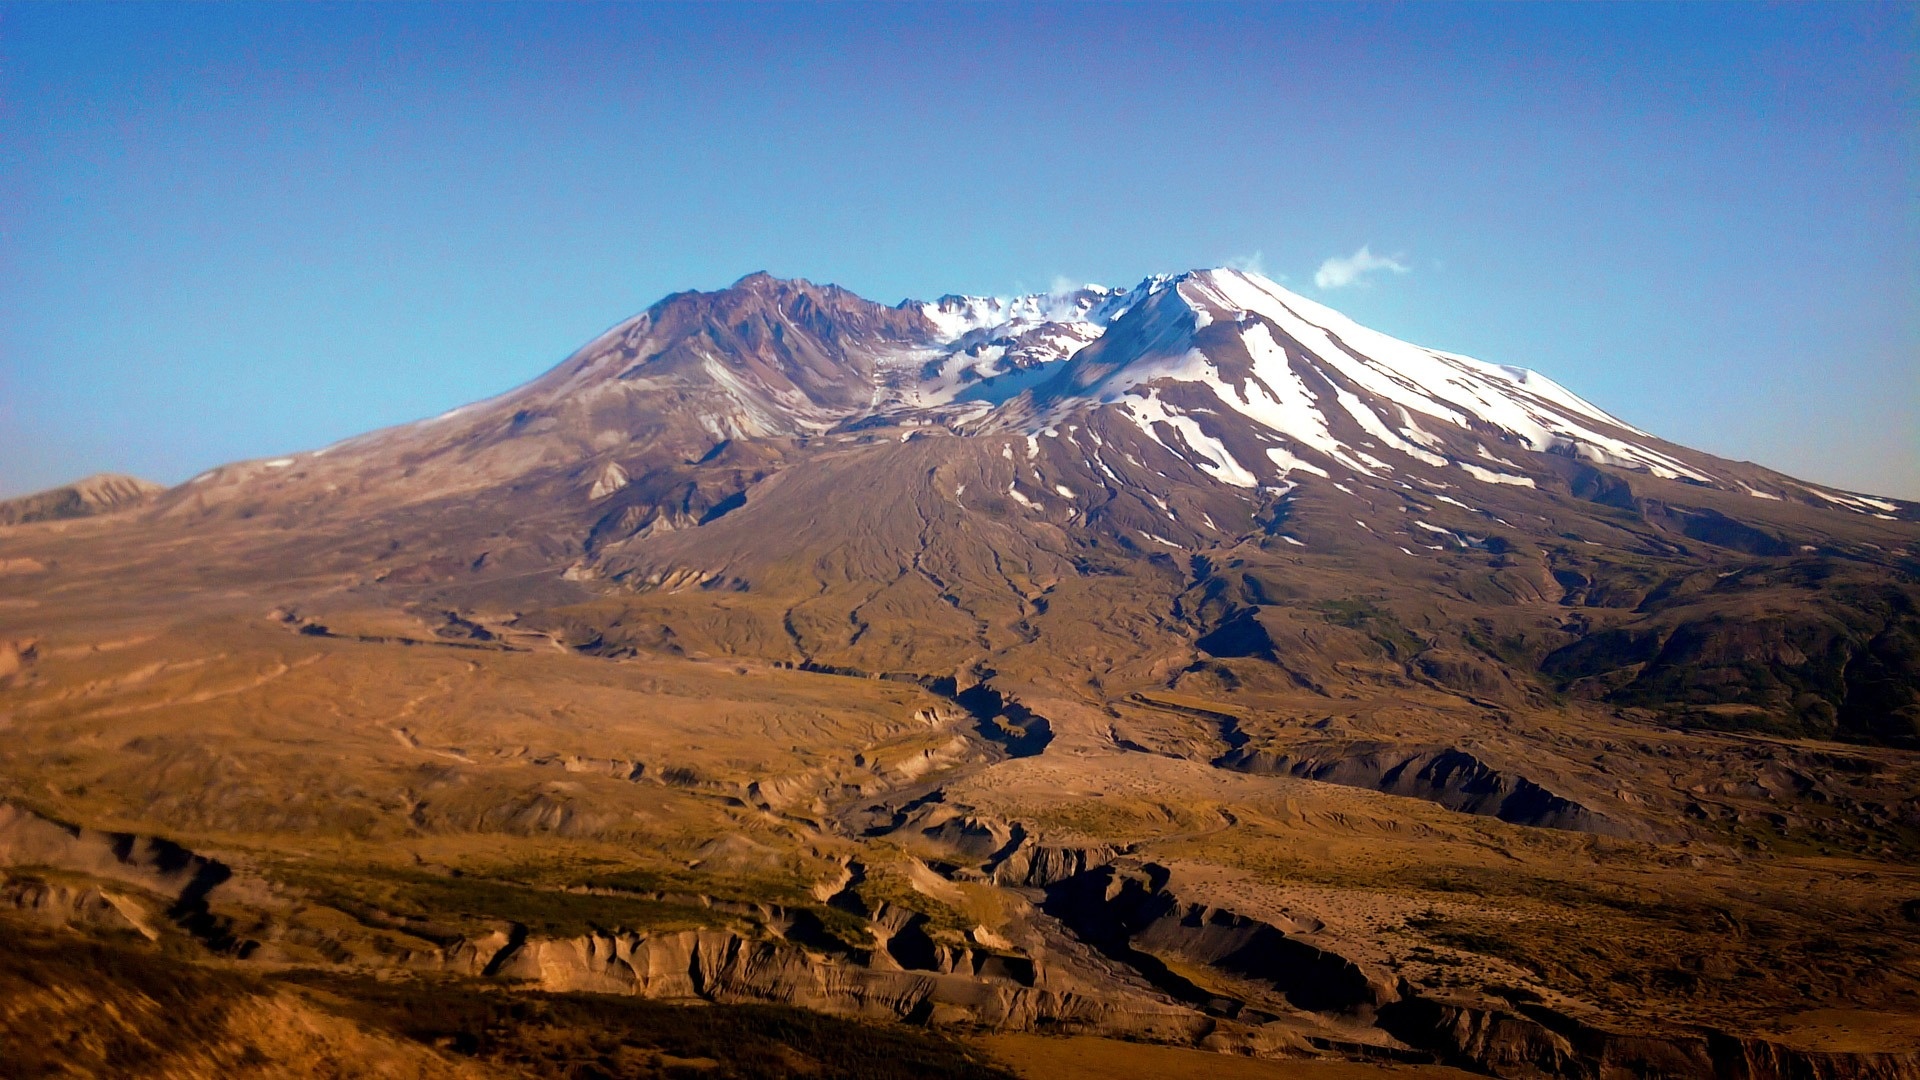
x,y
1342,271
1252,264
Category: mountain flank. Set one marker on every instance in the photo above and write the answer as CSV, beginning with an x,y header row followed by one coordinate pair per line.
x,y
1182,663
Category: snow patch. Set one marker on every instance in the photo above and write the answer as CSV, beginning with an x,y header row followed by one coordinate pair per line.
x,y
1861,503
1287,463
1490,456
1211,455
1493,477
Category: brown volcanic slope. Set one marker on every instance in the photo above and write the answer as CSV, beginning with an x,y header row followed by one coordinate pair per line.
x,y
101,493
1183,663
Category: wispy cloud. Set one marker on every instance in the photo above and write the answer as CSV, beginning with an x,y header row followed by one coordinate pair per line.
x,y
1252,264
1342,271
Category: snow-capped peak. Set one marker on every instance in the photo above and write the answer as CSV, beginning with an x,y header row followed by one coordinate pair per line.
x,y
979,340
1313,382
954,317
1248,381
1318,389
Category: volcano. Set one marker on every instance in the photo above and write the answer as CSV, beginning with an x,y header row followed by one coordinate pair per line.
x,y
1183,662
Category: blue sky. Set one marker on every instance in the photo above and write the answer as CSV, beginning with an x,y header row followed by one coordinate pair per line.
x,y
229,231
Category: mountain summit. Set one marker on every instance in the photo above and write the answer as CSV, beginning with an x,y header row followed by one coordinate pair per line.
x,y
1184,662
1253,384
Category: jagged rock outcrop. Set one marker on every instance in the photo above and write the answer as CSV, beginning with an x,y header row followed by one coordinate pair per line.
x,y
82,905
726,966
1126,909
1036,865
1548,1044
151,863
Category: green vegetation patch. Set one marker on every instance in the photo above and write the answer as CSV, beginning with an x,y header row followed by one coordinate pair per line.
x,y
1359,613
788,892
382,896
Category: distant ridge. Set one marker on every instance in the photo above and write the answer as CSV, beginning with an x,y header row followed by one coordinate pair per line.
x,y
101,493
